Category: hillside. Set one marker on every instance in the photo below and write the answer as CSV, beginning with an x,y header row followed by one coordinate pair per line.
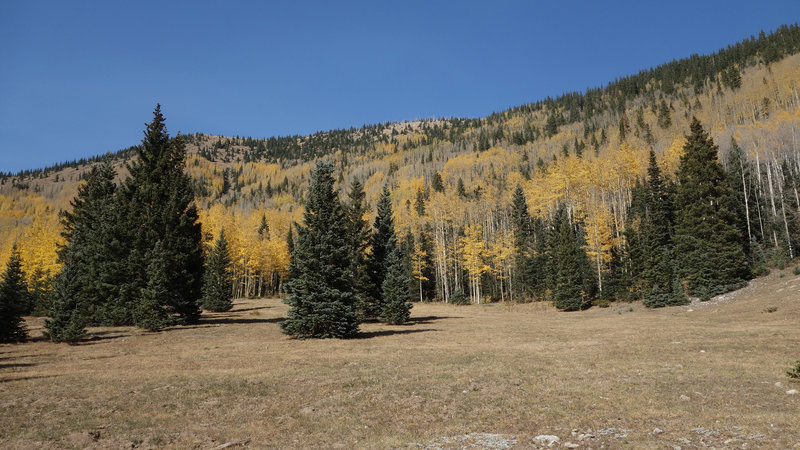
x,y
706,375
452,179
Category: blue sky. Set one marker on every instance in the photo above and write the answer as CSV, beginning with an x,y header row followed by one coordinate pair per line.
x,y
81,78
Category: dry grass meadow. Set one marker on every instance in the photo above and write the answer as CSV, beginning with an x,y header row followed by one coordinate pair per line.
x,y
705,375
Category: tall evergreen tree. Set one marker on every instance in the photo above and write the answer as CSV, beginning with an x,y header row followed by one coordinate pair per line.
x,y
149,312
521,226
571,280
383,241
396,290
359,235
94,245
323,304
13,299
708,241
158,202
217,284
658,274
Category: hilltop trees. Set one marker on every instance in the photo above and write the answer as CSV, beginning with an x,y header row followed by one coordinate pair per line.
x,y
708,241
13,300
323,304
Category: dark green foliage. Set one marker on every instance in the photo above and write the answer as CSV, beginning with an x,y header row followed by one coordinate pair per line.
x,y
396,290
40,291
217,283
429,272
570,276
157,203
523,240
68,316
794,372
383,242
13,300
436,182
739,171
708,242
459,298
323,304
359,236
149,312
658,276
419,203
664,115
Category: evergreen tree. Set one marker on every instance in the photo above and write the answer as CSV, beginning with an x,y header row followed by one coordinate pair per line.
x,y
158,202
569,268
13,299
429,269
658,277
359,235
217,284
321,296
521,226
708,241
149,313
383,242
396,290
94,246
436,182
664,115
68,317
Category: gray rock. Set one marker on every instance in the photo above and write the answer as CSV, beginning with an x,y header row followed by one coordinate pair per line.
x,y
657,431
547,440
793,392
571,445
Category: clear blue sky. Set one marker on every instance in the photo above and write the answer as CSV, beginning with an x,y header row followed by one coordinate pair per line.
x,y
81,78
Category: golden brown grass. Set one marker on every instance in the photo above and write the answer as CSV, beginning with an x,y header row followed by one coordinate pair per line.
x,y
707,376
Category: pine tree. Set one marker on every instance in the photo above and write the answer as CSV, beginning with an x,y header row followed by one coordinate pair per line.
x,y
521,225
323,304
658,275
708,243
571,281
217,284
94,247
68,317
149,312
13,299
158,202
396,292
359,235
383,242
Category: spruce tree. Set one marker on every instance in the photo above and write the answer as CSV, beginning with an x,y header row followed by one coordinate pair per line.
x,y
13,299
658,274
68,317
396,290
217,284
323,304
708,241
149,312
571,281
94,247
158,202
383,241
521,226
359,235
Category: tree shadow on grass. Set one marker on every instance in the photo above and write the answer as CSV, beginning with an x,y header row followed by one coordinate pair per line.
x,y
234,320
374,334
10,365
250,309
9,380
428,319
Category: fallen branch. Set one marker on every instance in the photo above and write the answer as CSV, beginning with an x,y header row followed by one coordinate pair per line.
x,y
233,444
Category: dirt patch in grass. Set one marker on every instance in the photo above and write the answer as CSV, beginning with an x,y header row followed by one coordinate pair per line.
x,y
686,376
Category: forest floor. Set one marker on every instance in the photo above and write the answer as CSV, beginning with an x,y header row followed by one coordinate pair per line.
x,y
488,376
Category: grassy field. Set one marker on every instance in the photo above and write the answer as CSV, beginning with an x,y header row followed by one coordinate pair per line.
x,y
704,375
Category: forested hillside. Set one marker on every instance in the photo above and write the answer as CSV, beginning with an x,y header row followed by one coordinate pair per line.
x,y
578,160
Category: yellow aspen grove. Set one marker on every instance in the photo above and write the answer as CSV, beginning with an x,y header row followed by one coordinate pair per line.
x,y
473,250
418,265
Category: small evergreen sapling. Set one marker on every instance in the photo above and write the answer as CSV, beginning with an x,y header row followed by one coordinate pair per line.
x,y
396,292
217,285
13,300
